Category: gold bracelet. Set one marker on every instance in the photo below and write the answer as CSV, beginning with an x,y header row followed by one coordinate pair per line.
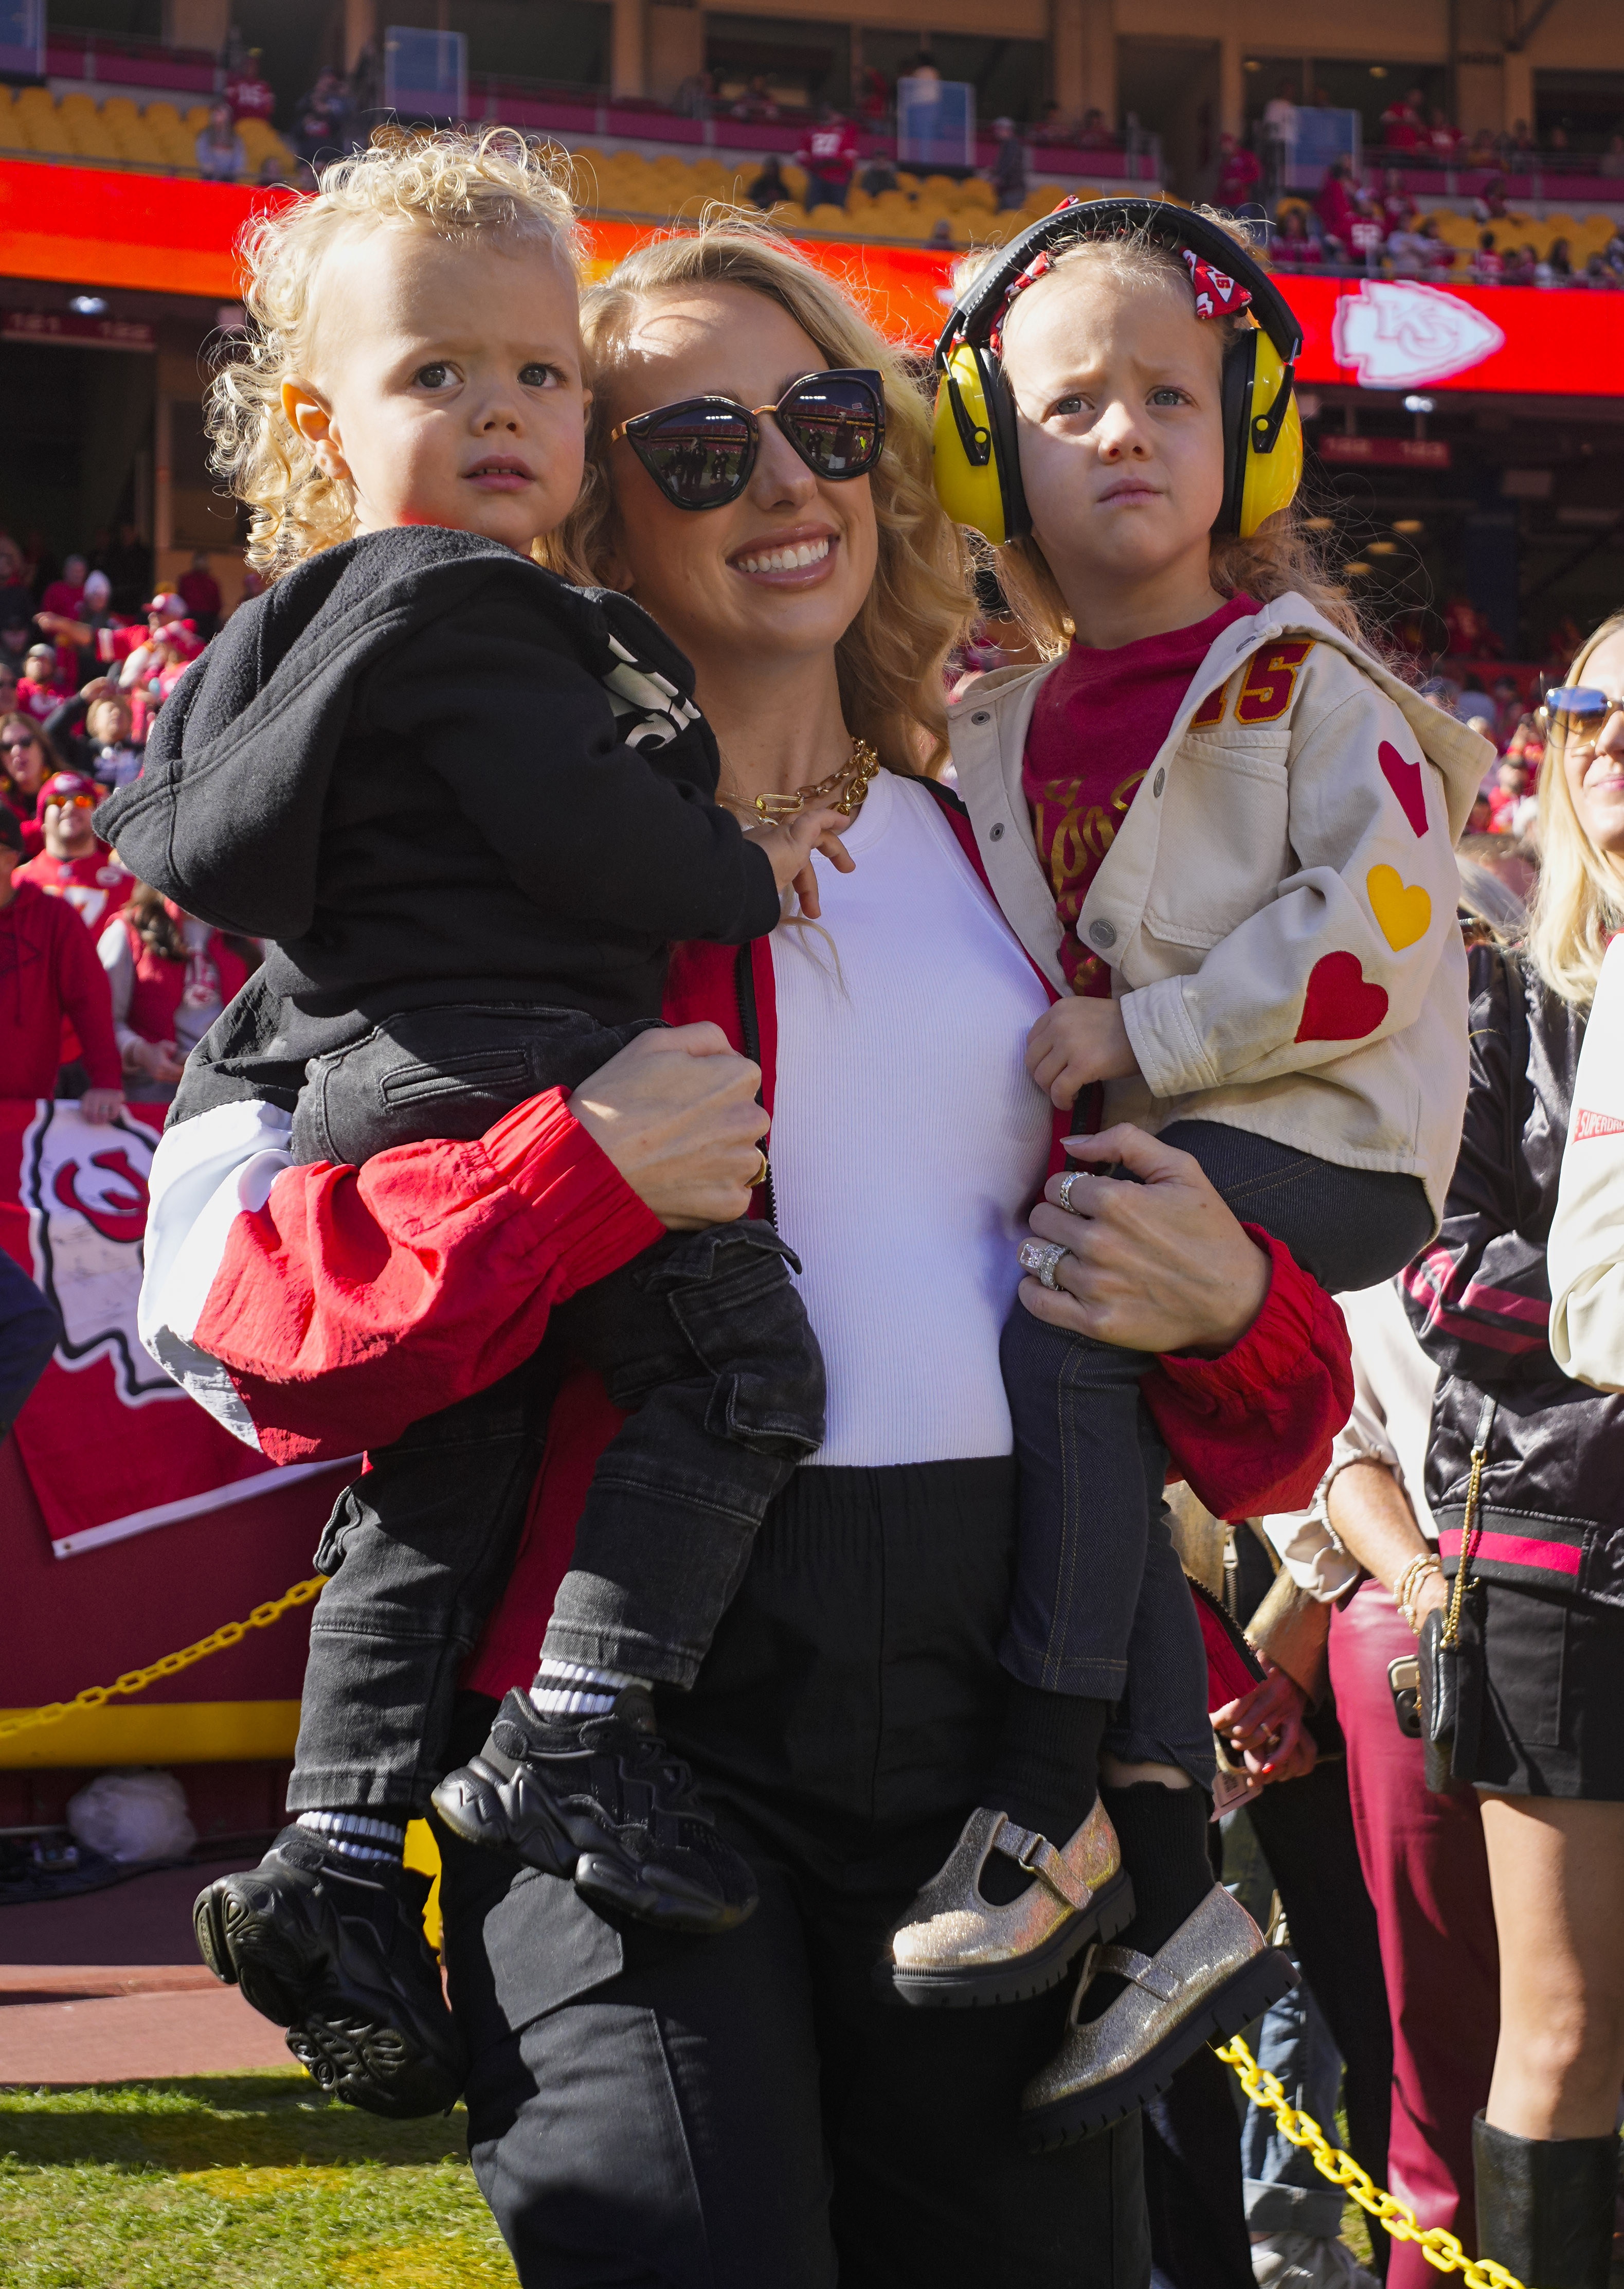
x,y
1407,1588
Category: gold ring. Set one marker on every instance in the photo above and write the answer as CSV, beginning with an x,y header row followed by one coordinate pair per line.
x,y
759,1179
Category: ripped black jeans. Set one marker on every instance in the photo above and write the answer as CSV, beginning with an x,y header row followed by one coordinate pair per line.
x,y
701,1337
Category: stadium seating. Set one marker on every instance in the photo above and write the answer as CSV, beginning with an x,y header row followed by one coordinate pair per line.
x,y
934,210
34,125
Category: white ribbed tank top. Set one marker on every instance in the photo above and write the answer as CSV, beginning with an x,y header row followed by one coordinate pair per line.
x,y
907,1138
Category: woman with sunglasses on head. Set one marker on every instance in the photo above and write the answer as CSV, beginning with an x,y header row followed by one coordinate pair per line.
x,y
658,2103
28,759
1523,1479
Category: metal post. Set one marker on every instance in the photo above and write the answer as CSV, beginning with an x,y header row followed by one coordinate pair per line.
x,y
162,492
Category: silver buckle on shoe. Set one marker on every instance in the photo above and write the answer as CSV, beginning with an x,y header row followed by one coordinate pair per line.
x,y
1032,1851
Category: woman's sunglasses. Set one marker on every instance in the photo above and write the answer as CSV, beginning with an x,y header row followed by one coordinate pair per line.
x,y
1583,704
701,452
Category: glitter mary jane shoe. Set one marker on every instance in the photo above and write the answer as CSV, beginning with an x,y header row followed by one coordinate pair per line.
x,y
955,1948
1214,1974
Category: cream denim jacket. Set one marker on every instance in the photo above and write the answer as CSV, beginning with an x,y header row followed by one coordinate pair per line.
x,y
1278,906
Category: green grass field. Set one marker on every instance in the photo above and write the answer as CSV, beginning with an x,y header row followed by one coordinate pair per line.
x,y
250,2180
234,2179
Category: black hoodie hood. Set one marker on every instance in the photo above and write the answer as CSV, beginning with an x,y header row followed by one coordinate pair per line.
x,y
425,769
227,814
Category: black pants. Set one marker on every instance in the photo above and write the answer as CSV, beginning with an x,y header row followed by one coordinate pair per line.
x,y
753,2109
1092,1461
702,1336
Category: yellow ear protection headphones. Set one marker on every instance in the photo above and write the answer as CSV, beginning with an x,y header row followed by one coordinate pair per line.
x,y
978,451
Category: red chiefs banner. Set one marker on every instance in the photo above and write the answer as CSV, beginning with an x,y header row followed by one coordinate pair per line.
x,y
110,1445
93,227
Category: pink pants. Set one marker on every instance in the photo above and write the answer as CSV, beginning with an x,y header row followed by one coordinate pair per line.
x,y
1426,1872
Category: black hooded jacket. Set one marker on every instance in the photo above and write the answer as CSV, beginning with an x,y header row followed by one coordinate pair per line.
x,y
431,771
1552,1501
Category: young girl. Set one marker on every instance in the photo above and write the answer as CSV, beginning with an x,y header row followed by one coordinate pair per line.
x,y
1226,835
470,807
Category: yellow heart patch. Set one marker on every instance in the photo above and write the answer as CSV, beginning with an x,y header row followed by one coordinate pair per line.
x,y
1404,909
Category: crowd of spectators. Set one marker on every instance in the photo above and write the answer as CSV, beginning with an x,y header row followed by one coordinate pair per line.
x,y
1350,227
115,986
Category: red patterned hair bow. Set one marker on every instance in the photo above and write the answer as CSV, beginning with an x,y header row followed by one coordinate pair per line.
x,y
1217,294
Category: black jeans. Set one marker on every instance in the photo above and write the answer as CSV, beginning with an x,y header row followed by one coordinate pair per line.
x,y
702,1338
1092,1461
753,2111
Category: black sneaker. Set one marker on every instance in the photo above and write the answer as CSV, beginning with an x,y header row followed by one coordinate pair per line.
x,y
603,1800
337,1957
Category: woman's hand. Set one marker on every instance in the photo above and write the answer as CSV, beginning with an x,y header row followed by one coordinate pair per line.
x,y
676,1113
1266,1725
1161,1265
162,1061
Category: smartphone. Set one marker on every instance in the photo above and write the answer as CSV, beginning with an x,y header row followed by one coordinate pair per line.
x,y
1403,1683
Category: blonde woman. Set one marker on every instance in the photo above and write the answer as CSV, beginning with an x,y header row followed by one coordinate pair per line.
x,y
1540,1731
749,2108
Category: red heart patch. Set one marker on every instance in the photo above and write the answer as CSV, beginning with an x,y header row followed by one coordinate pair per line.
x,y
1405,781
1340,1004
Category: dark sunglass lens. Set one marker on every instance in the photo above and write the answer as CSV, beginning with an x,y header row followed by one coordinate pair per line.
x,y
1580,700
836,422
696,453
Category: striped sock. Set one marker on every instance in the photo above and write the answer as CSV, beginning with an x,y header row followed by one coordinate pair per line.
x,y
357,1835
571,1688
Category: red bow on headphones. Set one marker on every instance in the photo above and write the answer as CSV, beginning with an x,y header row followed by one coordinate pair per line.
x,y
1217,294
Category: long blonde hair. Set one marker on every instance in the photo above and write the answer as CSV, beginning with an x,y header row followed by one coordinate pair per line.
x,y
1577,900
452,184
890,659
1278,558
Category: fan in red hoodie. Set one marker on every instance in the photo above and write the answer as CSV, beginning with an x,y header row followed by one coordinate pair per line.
x,y
49,972
75,865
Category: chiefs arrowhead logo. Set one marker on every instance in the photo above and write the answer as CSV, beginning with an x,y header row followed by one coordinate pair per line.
x,y
1396,335
86,1192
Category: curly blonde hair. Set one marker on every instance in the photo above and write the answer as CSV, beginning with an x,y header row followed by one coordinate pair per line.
x,y
1278,558
1578,899
452,184
890,660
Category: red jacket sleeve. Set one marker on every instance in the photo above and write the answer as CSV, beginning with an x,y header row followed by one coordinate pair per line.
x,y
356,1301
86,996
1251,1432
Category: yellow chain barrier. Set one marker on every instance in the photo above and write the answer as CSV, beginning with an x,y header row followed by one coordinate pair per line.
x,y
137,1680
1438,2246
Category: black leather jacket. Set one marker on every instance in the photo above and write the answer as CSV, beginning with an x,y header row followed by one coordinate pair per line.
x,y
1551,1508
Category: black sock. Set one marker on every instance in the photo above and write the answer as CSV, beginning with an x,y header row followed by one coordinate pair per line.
x,y
1163,1835
1045,1775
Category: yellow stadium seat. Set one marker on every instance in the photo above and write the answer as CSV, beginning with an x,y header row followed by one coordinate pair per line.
x,y
796,177
976,193
825,216
197,118
162,113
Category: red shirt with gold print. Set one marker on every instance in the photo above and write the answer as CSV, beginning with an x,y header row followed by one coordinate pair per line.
x,y
1098,725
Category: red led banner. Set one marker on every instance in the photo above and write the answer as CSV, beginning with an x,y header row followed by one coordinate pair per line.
x,y
90,227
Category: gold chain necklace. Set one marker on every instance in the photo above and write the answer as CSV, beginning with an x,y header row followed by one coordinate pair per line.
x,y
842,790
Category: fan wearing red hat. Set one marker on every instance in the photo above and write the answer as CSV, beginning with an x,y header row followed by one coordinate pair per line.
x,y
75,864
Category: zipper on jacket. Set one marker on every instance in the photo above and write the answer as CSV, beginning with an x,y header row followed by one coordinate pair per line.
x,y
750,1034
